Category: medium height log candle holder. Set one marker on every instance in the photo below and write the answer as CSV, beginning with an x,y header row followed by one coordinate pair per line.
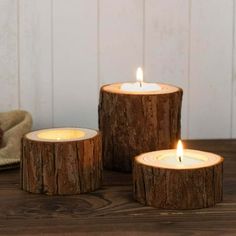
x,y
135,120
162,181
61,161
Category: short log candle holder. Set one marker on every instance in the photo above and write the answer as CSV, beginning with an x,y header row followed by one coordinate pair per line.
x,y
134,122
61,161
163,182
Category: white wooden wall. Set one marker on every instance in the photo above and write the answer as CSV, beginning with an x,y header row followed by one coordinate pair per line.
x,y
55,55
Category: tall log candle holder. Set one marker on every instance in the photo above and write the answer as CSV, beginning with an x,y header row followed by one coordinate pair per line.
x,y
61,161
134,122
161,181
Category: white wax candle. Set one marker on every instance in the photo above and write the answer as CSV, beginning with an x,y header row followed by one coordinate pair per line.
x,y
167,159
171,160
140,87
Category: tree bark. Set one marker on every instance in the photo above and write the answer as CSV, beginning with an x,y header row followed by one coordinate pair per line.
x,y
60,168
136,123
178,189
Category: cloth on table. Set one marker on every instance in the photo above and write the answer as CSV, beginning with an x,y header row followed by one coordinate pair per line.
x,y
1,136
14,124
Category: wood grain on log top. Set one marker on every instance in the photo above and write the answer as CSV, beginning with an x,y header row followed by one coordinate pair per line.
x,y
112,210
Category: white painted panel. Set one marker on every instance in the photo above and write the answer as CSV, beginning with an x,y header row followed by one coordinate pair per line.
x,y
75,63
166,46
211,69
234,79
35,60
115,28
8,55
120,40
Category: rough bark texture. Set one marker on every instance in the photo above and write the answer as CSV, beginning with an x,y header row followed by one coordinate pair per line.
x,y
61,168
178,189
134,124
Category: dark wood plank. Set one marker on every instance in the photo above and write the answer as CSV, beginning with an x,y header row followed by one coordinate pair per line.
x,y
112,211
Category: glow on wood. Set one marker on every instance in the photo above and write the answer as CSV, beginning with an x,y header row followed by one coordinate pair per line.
x,y
193,159
117,88
61,134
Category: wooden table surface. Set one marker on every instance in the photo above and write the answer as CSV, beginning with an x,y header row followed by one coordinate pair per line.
x,y
112,211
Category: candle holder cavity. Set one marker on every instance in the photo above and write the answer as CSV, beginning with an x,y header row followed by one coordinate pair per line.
x,y
61,161
137,122
160,184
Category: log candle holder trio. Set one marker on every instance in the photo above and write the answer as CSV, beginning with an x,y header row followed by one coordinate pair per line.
x,y
134,118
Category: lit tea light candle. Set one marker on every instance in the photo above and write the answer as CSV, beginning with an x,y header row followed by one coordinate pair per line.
x,y
61,134
178,178
139,85
181,158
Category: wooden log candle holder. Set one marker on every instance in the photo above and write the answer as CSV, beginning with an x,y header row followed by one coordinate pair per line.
x,y
192,184
136,122
61,161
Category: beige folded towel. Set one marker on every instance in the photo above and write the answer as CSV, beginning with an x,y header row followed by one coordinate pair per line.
x,y
1,136
14,125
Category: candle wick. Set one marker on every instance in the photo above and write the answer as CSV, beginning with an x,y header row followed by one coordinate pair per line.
x,y
140,84
180,160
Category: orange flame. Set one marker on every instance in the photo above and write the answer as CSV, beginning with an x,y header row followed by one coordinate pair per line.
x,y
180,151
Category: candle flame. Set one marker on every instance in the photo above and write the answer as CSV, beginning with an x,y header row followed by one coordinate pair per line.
x,y
139,76
180,151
